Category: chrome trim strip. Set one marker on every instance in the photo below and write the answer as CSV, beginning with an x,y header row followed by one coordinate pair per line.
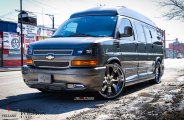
x,y
132,53
69,50
52,67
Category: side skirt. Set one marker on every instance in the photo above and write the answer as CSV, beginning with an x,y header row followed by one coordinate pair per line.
x,y
128,83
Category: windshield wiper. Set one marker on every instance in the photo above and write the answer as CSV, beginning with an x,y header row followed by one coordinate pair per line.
x,y
82,35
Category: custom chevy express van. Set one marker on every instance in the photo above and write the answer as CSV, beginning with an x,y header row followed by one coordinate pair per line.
x,y
102,49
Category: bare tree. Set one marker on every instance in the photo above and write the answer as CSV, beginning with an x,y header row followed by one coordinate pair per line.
x,y
176,9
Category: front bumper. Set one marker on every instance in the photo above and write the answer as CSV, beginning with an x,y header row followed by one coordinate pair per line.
x,y
90,78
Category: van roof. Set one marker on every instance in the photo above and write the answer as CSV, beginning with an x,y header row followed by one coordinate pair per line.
x,y
113,11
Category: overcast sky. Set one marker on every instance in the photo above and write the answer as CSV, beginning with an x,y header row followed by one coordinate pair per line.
x,y
62,9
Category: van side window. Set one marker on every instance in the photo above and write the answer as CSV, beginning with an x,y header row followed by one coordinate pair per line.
x,y
148,33
159,34
155,35
123,24
140,32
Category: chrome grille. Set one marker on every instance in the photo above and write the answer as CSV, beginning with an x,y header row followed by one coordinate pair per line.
x,y
53,51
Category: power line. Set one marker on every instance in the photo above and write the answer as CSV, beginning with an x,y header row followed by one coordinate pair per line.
x,y
9,13
36,4
8,18
33,12
43,4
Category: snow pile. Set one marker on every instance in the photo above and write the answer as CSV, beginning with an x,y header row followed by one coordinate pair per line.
x,y
180,79
168,98
103,117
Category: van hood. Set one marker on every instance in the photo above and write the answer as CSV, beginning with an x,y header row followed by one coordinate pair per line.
x,y
66,42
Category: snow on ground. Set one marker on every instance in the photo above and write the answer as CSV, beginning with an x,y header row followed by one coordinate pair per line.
x,y
164,101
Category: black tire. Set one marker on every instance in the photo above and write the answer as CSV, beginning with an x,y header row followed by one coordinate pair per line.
x,y
114,81
157,73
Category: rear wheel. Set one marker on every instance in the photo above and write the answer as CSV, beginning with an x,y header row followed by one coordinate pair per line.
x,y
158,74
113,82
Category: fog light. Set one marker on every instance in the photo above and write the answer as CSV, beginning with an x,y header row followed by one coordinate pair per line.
x,y
29,62
75,86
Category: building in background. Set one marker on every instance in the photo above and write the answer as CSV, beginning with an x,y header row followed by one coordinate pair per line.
x,y
44,32
175,50
10,43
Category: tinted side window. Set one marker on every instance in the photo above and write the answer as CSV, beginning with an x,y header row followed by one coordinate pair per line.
x,y
148,33
125,23
140,32
155,35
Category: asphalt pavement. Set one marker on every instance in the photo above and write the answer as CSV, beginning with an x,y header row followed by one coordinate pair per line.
x,y
19,102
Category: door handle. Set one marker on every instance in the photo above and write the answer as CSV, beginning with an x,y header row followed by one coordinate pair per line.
x,y
137,44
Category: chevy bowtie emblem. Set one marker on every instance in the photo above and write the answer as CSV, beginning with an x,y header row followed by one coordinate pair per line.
x,y
50,57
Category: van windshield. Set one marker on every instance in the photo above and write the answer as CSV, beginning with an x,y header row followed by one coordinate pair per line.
x,y
92,26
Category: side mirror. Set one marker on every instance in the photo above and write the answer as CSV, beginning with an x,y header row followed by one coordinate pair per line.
x,y
127,32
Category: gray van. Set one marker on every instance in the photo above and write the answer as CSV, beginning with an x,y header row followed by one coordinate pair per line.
x,y
100,49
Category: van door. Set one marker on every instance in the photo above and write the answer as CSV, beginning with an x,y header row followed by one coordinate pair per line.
x,y
142,51
129,58
149,50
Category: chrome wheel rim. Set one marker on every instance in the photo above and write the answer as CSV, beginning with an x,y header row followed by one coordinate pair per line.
x,y
113,81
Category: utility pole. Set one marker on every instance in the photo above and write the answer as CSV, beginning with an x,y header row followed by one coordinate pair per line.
x,y
52,18
2,49
164,37
22,57
173,50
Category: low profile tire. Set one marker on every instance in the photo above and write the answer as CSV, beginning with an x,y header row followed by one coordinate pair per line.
x,y
158,74
113,82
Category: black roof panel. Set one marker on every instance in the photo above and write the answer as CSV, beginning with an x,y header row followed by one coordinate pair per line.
x,y
96,11
113,11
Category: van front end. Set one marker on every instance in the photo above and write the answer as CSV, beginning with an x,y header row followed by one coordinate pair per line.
x,y
65,79
63,67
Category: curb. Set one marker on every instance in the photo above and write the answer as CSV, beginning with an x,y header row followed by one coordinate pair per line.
x,y
4,69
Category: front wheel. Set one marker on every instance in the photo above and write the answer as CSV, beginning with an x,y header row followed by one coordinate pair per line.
x,y
113,82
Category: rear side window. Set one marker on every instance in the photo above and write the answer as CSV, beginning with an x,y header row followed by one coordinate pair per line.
x,y
155,38
148,33
140,32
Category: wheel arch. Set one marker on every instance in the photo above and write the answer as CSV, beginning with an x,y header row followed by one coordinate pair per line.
x,y
113,60
158,59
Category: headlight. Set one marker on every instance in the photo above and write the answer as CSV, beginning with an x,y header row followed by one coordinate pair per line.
x,y
87,51
29,51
